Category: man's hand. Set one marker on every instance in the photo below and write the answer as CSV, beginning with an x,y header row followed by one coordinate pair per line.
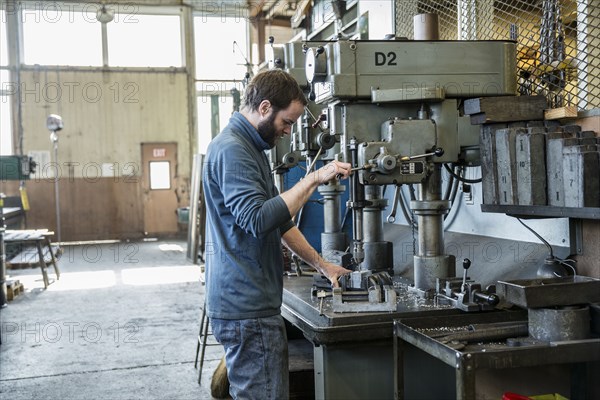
x,y
333,272
296,242
299,194
333,169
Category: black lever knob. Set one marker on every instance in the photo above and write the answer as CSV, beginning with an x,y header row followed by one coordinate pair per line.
x,y
312,95
438,153
466,263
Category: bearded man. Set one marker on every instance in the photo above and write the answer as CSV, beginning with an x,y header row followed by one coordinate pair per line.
x,y
247,221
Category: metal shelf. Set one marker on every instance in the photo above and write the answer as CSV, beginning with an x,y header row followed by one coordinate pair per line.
x,y
470,354
543,211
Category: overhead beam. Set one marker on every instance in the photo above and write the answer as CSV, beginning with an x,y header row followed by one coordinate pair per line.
x,y
140,3
256,8
280,21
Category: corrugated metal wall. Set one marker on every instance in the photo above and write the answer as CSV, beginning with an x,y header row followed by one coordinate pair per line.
x,y
107,115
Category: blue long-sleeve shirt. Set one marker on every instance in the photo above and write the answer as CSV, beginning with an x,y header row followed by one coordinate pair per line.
x,y
245,218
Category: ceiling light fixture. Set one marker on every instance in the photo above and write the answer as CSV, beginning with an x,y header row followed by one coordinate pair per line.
x,y
105,15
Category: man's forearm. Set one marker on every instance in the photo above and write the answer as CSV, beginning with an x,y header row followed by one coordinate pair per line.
x,y
297,243
299,194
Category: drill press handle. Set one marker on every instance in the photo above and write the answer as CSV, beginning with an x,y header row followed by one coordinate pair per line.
x,y
438,152
466,265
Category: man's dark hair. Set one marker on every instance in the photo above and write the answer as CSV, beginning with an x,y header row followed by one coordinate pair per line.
x,y
275,85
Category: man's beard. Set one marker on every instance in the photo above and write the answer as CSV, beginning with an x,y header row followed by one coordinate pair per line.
x,y
266,130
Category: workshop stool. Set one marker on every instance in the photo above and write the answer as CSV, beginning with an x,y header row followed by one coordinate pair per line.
x,y
202,341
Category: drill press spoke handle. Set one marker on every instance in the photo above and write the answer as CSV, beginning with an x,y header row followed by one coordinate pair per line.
x,y
438,152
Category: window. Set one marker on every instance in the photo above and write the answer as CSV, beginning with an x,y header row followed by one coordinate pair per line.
x,y
3,41
5,127
221,59
57,33
60,36
160,175
380,22
137,40
5,85
211,94
6,143
205,119
221,52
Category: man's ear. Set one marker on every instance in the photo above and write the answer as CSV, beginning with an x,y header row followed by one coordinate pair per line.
x,y
264,107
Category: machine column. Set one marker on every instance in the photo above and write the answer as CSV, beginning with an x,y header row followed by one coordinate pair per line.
x,y
430,261
378,253
357,203
333,236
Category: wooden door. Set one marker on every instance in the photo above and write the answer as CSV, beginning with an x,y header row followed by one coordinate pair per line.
x,y
159,167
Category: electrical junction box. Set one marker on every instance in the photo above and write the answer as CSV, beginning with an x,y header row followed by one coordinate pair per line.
x,y
16,168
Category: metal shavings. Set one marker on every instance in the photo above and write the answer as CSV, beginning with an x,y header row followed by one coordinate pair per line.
x,y
442,330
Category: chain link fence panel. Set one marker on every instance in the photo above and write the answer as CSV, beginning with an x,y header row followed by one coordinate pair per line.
x,y
558,41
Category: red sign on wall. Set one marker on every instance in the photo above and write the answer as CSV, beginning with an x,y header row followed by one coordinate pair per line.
x,y
159,153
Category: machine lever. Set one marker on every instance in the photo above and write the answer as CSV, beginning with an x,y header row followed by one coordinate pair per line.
x,y
321,294
366,166
392,217
321,118
466,265
437,152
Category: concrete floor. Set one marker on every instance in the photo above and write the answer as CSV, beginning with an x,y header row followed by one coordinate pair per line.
x,y
121,323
